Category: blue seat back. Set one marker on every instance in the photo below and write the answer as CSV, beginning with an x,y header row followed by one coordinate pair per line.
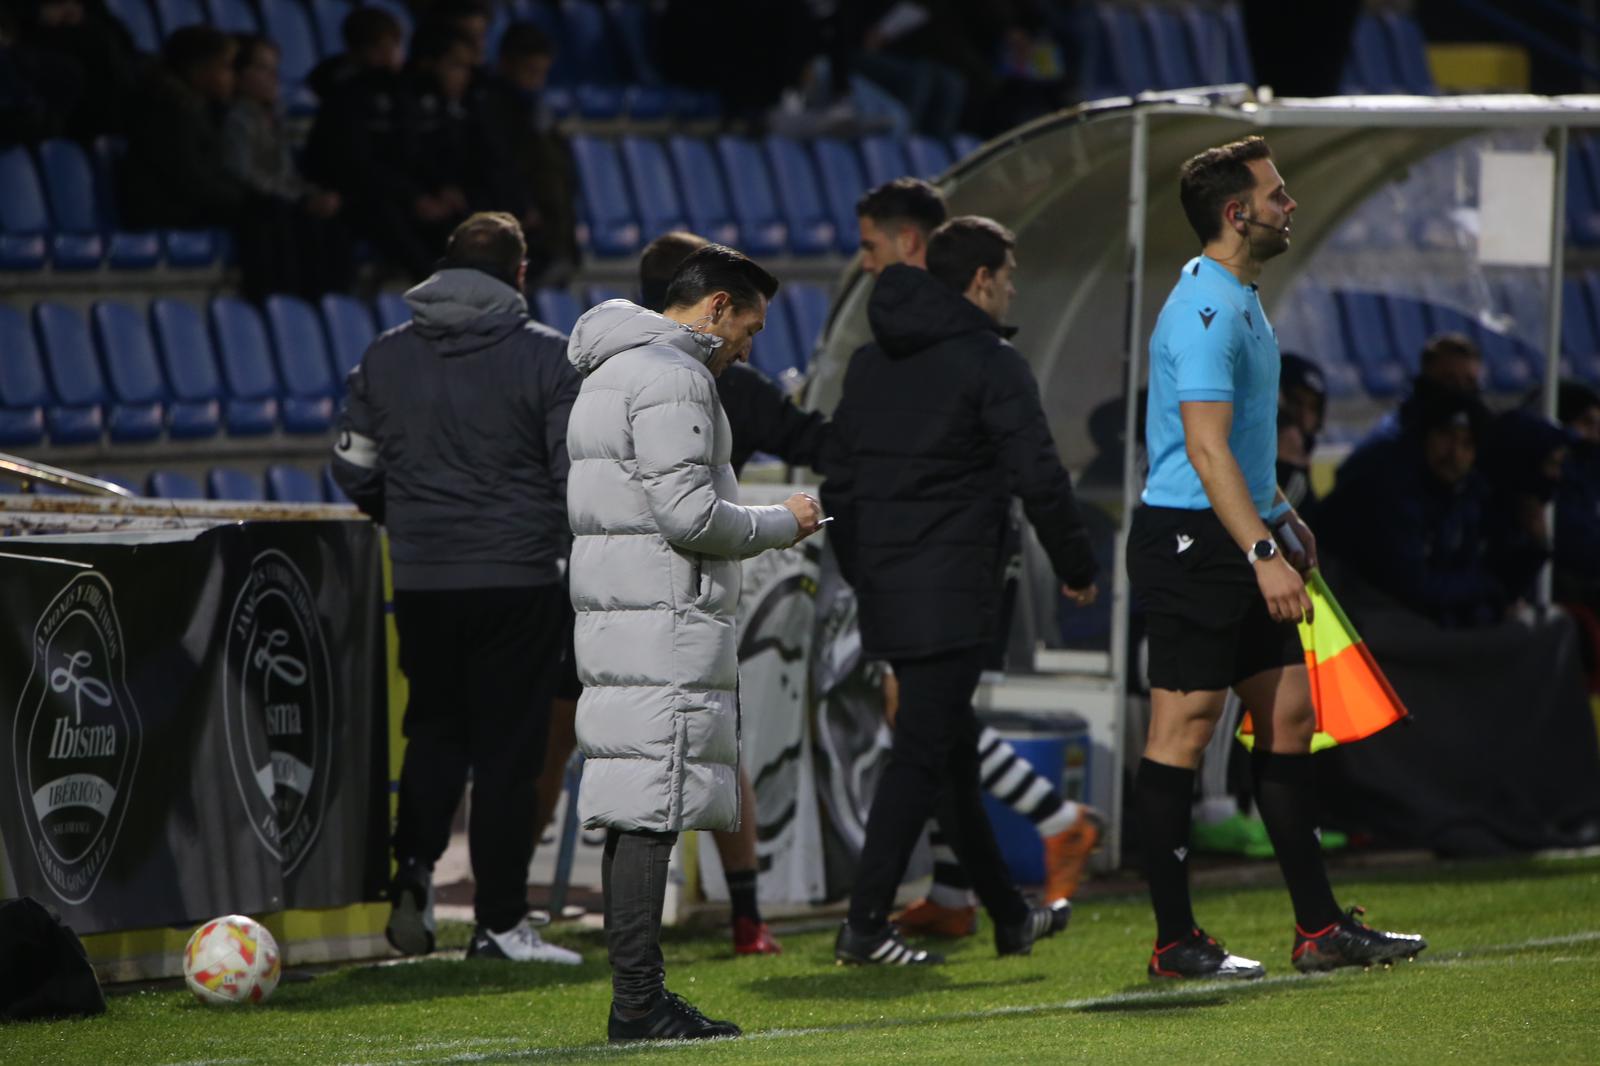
x,y
1168,44
749,183
709,209
605,194
302,348
329,16
288,23
330,486
885,159
350,331
774,350
132,368
22,206
1240,68
22,379
70,181
1369,67
141,24
1409,328
1578,334
1367,340
392,310
808,311
69,355
929,157
842,184
1123,40
187,352
557,308
172,485
654,188
230,483
234,16
176,14
633,22
1410,52
589,42
243,350
1208,43
290,484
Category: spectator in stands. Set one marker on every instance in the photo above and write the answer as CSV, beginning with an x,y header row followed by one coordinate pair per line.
x,y
1523,457
95,51
256,151
466,19
1408,513
454,436
364,145
541,165
1450,361
1302,408
38,88
895,221
457,162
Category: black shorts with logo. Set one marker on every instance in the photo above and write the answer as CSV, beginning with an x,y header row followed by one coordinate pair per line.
x,y
1208,626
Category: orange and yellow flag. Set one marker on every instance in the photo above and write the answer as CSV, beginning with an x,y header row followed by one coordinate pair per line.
x,y
1352,697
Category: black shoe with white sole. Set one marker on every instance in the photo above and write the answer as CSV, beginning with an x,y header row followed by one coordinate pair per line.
x,y
1199,957
411,926
1041,922
1351,942
883,948
671,1018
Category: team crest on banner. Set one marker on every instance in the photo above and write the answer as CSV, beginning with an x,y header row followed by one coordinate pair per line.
x,y
76,737
278,706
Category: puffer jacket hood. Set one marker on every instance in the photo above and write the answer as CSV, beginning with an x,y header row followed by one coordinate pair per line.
x,y
910,311
618,326
460,310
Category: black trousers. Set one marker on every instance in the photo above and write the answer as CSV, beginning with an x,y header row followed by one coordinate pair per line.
x,y
633,876
933,770
482,665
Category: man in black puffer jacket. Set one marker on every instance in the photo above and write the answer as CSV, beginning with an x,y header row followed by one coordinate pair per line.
x,y
454,435
939,426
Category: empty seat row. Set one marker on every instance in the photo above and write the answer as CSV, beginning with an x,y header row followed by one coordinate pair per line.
x,y
774,196
1387,55
281,483
1129,49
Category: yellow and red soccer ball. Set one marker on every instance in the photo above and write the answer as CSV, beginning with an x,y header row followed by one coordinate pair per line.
x,y
231,960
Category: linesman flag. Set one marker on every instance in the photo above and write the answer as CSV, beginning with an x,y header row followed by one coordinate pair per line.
x,y
1352,697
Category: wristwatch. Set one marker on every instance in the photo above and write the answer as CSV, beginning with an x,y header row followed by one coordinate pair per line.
x,y
1262,550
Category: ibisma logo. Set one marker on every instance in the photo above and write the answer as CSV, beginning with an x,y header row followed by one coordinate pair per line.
x,y
278,703
77,736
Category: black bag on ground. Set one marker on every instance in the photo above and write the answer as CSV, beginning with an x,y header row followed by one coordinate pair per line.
x,y
44,971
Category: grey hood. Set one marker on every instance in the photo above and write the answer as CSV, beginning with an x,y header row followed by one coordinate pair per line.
x,y
461,310
618,326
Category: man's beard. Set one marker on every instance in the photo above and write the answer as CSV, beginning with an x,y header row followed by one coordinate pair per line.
x,y
1267,244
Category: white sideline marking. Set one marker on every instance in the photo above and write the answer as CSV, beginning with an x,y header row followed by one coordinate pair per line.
x,y
1187,991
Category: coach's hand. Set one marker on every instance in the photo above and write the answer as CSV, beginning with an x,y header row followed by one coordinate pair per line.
x,y
1283,590
1081,597
807,512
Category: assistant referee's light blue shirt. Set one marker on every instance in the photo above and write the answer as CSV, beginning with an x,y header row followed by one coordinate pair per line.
x,y
1212,342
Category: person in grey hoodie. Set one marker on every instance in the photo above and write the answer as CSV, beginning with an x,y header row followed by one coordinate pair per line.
x,y
454,435
658,535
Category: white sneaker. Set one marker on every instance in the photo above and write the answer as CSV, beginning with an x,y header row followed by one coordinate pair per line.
x,y
520,943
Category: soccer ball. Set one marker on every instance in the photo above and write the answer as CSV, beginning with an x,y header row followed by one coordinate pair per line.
x,y
231,960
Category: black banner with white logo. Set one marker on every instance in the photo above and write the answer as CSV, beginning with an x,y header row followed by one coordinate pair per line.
x,y
193,727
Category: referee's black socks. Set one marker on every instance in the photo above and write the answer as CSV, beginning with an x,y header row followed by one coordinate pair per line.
x,y
1164,796
1286,800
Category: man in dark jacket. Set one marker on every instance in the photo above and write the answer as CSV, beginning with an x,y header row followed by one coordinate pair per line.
x,y
940,424
454,436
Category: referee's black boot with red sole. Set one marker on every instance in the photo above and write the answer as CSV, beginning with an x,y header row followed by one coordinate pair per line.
x,y
1351,942
883,948
1197,957
1041,922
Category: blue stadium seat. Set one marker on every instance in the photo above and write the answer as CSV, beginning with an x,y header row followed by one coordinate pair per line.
x,y
125,249
710,213
635,33
392,310
694,104
963,145
646,103
134,371
809,225
929,156
303,364
140,23
1580,340
288,23
235,16
70,182
654,190
329,16
350,331
1583,191
613,227
290,484
1208,43
842,185
774,351
175,14
69,359
1409,51
557,308
24,221
229,483
247,367
600,102
1410,329
588,43
1240,68
190,360
761,228
1122,39
1370,68
808,314
885,159
330,487
24,394
119,481
1369,345
172,485
1169,48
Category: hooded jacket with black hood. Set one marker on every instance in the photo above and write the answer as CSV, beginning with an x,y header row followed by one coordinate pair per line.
x,y
454,435
940,424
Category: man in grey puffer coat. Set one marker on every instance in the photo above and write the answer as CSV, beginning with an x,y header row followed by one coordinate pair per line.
x,y
655,583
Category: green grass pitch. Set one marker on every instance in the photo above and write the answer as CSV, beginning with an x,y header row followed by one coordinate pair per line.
x,y
1513,976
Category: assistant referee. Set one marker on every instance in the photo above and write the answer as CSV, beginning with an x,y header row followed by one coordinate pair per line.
x,y
1216,557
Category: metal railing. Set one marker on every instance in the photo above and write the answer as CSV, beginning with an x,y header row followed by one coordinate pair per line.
x,y
30,473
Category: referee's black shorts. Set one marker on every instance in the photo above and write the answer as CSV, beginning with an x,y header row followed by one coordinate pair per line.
x,y
1208,626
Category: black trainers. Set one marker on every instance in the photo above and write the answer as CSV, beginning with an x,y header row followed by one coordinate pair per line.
x,y
411,926
1041,922
1351,942
672,1018
1199,957
883,948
